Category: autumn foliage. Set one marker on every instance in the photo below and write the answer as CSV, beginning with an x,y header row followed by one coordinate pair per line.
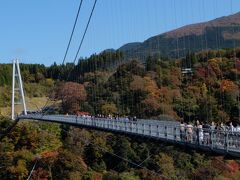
x,y
228,85
72,95
48,154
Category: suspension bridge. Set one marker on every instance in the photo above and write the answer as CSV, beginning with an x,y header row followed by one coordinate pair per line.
x,y
221,142
168,130
217,141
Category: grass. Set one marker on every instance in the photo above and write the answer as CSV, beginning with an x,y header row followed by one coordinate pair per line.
x,y
34,103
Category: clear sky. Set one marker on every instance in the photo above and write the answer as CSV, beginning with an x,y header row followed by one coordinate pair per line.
x,y
37,31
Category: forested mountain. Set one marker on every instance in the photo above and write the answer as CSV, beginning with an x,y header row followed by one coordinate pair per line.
x,y
222,32
148,90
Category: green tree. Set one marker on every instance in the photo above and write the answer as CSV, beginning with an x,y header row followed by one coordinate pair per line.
x,y
109,108
165,164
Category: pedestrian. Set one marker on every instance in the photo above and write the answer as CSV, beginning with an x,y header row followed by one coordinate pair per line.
x,y
231,135
222,129
200,134
212,133
189,128
206,133
231,127
197,123
182,131
238,136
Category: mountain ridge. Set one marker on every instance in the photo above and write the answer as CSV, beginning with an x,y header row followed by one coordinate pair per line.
x,y
213,34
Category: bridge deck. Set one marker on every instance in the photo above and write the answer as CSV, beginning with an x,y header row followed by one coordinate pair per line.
x,y
222,142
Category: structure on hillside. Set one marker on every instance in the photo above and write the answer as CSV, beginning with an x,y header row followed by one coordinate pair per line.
x,y
187,71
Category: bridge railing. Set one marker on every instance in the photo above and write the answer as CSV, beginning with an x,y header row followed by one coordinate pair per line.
x,y
212,139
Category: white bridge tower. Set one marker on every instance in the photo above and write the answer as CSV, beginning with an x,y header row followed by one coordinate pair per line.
x,y
17,89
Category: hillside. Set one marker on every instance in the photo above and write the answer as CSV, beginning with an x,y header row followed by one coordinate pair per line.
x,y
151,91
222,32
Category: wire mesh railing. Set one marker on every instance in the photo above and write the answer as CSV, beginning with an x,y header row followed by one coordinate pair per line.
x,y
227,141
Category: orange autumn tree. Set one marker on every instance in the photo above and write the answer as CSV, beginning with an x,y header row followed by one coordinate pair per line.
x,y
49,154
72,96
229,87
138,83
151,87
150,106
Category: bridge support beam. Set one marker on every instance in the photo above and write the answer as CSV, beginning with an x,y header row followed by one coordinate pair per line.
x,y
17,89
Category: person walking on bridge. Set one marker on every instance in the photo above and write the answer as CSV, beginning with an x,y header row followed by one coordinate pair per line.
x,y
182,131
200,133
189,128
206,133
212,132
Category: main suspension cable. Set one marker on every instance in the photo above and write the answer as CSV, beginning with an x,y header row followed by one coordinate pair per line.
x,y
84,34
73,29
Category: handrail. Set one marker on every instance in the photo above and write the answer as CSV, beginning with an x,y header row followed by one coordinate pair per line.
x,y
215,140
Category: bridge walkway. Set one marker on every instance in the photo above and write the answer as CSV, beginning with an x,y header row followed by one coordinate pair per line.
x,y
222,142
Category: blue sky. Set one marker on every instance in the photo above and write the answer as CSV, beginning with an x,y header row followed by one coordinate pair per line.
x,y
37,31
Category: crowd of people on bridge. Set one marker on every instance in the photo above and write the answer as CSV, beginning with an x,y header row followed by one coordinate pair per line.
x,y
116,117
207,134
201,133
